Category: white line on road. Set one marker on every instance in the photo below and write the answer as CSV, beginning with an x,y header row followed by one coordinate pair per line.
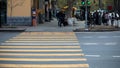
x,y
116,36
103,36
90,43
87,37
92,55
110,43
116,56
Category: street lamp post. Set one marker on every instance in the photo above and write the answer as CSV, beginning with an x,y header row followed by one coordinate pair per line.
x,y
100,7
86,12
87,2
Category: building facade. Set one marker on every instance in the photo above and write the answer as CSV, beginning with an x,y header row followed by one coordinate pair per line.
x,y
20,12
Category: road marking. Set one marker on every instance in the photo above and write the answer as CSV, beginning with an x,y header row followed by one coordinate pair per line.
x,y
43,59
92,55
39,46
67,44
47,33
103,37
46,36
57,50
87,37
90,43
45,65
116,56
116,36
43,38
15,54
110,43
41,41
49,39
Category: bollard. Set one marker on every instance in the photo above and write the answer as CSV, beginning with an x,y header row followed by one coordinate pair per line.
x,y
34,22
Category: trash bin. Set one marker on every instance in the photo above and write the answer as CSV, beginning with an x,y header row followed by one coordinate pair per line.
x,y
34,20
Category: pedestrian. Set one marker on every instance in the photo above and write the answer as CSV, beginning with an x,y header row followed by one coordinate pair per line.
x,y
96,17
103,19
61,18
112,19
116,18
106,18
109,18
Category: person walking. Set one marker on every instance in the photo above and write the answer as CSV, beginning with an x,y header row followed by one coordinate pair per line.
x,y
61,17
117,18
103,19
96,18
106,18
112,19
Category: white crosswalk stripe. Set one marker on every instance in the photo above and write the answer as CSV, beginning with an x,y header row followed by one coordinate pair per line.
x,y
43,50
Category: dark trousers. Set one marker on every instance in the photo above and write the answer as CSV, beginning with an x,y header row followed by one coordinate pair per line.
x,y
60,22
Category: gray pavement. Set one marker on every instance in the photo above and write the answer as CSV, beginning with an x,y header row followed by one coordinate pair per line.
x,y
102,49
53,27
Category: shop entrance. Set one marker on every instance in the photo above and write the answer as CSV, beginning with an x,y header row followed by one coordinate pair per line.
x,y
3,12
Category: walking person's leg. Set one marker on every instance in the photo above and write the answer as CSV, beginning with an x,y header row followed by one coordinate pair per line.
x,y
59,22
112,22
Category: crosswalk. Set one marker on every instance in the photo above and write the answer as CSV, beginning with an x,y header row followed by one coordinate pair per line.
x,y
42,50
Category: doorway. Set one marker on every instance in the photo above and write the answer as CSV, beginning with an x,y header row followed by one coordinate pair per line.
x,y
3,12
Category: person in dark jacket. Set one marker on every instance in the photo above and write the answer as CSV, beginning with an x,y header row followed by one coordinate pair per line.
x,y
61,17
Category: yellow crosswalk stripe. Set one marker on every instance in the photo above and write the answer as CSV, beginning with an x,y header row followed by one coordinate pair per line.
x,y
43,38
8,50
46,65
39,46
47,33
46,37
15,54
20,39
43,59
43,41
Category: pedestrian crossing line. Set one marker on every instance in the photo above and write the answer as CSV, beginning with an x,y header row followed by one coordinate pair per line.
x,y
30,43
47,37
45,65
47,33
50,49
39,46
9,50
42,38
16,54
43,59
41,41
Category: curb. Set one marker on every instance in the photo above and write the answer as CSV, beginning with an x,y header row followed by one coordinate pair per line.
x,y
12,29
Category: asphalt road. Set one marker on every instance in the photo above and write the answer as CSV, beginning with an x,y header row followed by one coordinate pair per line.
x,y
42,49
102,49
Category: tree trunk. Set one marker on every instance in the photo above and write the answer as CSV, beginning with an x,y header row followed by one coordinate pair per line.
x,y
69,9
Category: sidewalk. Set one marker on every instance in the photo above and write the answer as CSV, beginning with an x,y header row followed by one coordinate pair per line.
x,y
99,28
13,28
53,27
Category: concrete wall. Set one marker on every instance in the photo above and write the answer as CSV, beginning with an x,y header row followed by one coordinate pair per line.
x,y
19,12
